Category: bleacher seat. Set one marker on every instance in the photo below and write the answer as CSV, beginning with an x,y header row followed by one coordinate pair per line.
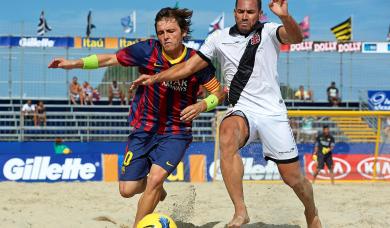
x,y
105,122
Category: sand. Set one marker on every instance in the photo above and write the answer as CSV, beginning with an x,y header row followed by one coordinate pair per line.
x,y
98,204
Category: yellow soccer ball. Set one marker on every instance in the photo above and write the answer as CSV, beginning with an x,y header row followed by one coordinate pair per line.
x,y
156,220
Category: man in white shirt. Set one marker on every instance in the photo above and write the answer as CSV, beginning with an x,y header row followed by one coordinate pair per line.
x,y
333,94
248,54
28,111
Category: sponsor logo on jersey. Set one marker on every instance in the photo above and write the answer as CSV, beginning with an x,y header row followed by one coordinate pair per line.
x,y
255,39
179,85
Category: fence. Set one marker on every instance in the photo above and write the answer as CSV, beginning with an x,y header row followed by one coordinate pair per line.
x,y
81,123
24,72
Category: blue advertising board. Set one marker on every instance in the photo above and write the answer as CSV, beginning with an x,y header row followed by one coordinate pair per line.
x,y
28,167
38,162
379,100
46,42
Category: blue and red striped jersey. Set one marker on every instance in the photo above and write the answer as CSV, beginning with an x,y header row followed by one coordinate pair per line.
x,y
157,107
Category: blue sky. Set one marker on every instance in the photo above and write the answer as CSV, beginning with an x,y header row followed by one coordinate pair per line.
x,y
371,18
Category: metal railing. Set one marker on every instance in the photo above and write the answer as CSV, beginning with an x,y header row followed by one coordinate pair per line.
x,y
93,124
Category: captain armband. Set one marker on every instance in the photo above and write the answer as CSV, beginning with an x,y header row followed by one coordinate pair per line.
x,y
90,62
211,102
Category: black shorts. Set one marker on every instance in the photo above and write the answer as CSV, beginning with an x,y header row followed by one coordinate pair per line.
x,y
325,159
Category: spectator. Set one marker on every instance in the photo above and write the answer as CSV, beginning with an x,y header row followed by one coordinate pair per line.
x,y
75,92
130,94
60,147
294,123
40,115
303,94
87,93
333,94
28,111
386,128
308,133
96,95
114,91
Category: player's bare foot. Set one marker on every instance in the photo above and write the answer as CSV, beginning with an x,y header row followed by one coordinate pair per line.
x,y
163,195
313,221
238,221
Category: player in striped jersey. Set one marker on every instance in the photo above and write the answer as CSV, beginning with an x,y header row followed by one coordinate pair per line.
x,y
161,114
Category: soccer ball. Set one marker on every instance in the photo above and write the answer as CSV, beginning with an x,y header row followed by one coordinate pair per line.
x,y
156,220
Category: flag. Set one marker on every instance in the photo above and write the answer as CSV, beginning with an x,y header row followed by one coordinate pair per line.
x,y
343,31
90,26
217,24
43,27
129,23
176,5
388,34
305,27
263,18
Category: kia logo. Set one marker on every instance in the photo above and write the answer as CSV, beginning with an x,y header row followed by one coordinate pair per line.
x,y
341,169
378,98
366,168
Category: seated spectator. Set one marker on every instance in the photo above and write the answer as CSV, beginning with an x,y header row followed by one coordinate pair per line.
x,y
40,114
130,94
28,111
303,95
386,128
87,93
308,133
95,95
76,92
333,94
114,91
294,124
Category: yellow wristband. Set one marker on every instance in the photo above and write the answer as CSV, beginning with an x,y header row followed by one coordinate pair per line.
x,y
211,101
90,62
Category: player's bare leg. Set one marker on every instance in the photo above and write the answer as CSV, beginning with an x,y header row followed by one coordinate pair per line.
x,y
233,132
128,189
154,192
331,175
292,176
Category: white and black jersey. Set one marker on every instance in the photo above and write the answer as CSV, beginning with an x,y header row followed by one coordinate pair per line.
x,y
249,64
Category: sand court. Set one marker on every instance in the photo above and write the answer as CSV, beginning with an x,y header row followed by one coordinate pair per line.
x,y
98,204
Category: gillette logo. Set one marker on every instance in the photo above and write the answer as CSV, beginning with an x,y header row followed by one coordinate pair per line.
x,y
39,168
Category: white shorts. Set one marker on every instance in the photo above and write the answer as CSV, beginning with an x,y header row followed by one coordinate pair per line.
x,y
75,96
274,132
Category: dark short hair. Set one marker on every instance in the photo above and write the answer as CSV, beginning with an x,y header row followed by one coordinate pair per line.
x,y
325,126
182,16
258,4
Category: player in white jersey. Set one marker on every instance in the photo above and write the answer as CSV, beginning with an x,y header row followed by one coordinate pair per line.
x,y
248,54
